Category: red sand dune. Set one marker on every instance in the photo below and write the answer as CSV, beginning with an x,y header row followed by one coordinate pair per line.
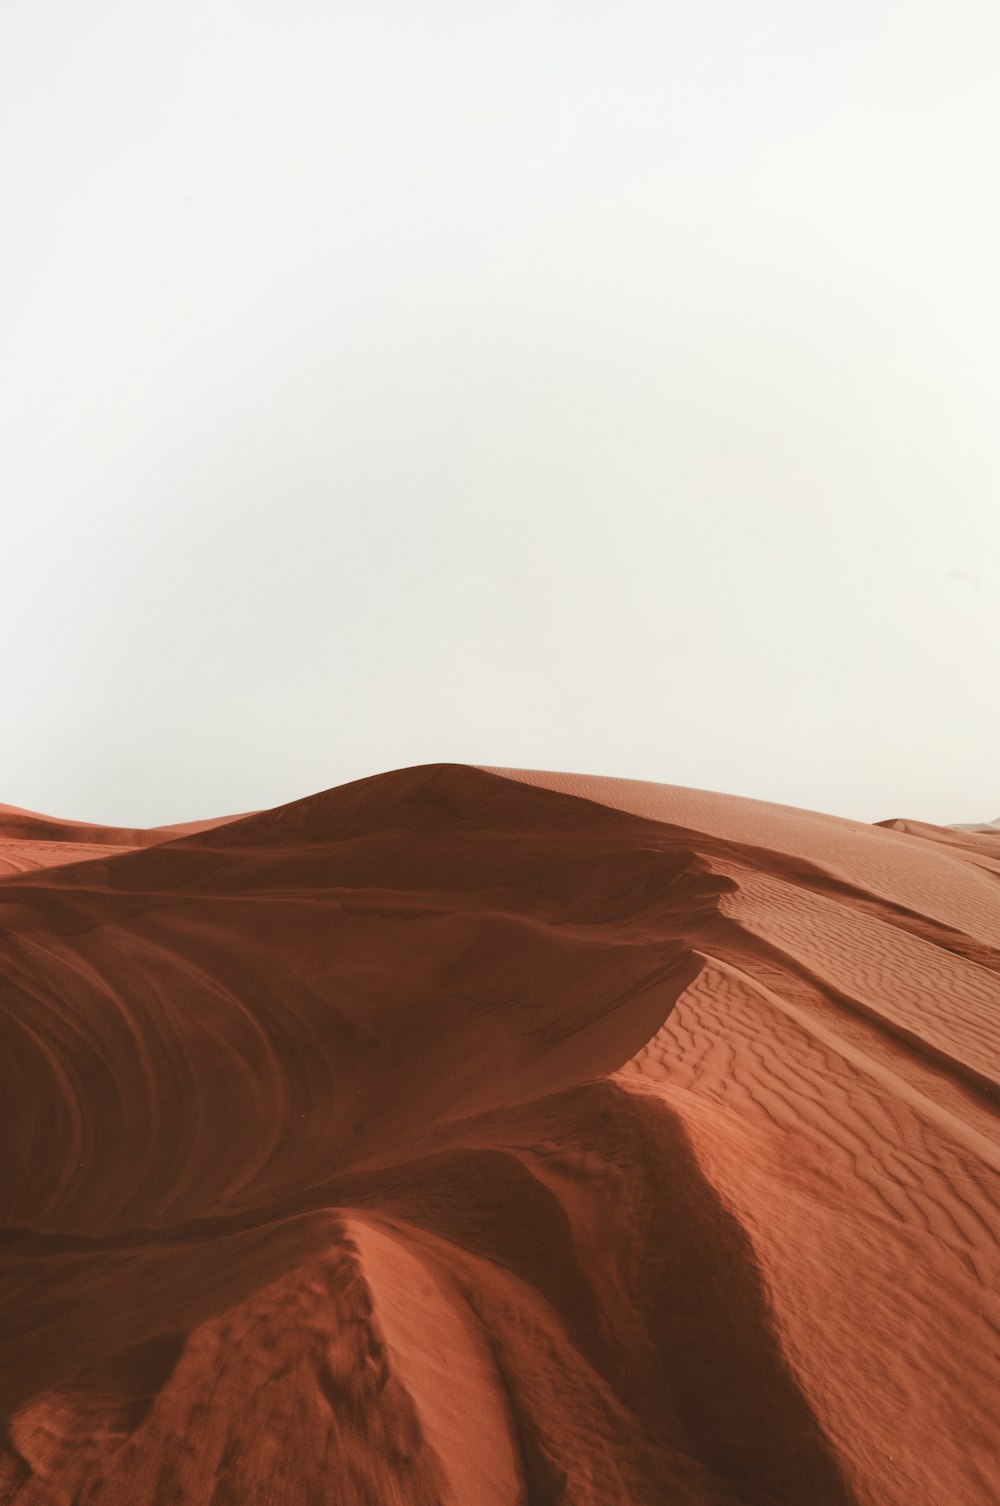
x,y
497,1138
28,840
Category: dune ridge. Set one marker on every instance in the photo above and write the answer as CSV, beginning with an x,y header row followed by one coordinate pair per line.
x,y
29,840
494,1136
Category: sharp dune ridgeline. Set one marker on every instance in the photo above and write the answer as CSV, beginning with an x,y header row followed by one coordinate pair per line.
x,y
480,1137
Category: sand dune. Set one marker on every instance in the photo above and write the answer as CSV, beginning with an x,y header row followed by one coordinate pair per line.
x,y
500,1138
28,840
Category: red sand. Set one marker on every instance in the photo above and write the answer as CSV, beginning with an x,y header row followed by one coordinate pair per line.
x,y
496,1138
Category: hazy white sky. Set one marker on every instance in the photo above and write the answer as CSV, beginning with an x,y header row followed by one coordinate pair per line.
x,y
594,386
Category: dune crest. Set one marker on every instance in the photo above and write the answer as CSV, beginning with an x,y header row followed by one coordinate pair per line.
x,y
499,1138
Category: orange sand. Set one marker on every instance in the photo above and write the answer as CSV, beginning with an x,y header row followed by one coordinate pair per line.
x,y
468,1137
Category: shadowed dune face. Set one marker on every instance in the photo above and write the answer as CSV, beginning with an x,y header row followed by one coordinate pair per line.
x,y
221,1023
453,1138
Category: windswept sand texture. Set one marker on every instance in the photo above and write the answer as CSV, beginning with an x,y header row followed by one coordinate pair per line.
x,y
497,1138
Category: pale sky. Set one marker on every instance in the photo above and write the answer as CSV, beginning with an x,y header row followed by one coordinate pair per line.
x,y
610,387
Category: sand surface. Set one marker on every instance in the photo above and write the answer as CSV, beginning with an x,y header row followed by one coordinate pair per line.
x,y
467,1137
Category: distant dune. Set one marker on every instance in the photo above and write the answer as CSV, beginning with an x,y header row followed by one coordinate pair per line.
x,y
467,1137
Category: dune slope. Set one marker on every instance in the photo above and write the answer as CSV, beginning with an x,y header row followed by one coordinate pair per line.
x,y
499,1138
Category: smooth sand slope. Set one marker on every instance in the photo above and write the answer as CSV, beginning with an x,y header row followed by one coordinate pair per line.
x,y
28,840
467,1137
